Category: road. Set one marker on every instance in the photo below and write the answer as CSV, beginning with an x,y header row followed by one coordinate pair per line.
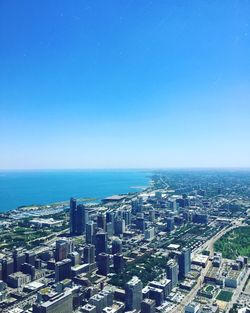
x,y
209,245
238,290
181,306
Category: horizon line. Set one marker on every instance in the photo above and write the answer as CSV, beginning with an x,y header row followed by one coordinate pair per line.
x,y
131,168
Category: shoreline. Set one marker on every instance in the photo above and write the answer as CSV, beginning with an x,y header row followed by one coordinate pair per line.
x,y
23,190
33,210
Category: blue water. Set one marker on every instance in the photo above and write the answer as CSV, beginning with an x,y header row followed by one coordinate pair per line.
x,y
43,187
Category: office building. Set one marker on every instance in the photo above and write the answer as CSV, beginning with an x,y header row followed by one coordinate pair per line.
x,y
110,229
19,259
127,216
173,205
90,232
63,270
137,205
30,257
172,271
170,224
75,258
116,246
103,261
149,233
140,223
101,221
200,218
148,306
158,195
184,260
110,217
151,215
108,295
101,242
164,285
73,216
63,248
1,272
192,307
119,263
133,294
83,216
7,268
89,254
119,226
79,217
28,269
98,301
60,303
18,279
156,294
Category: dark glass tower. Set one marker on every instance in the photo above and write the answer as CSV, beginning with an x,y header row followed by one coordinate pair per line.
x,y
73,216
101,242
184,261
78,218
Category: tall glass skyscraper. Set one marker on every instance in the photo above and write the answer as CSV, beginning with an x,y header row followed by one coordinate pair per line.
x,y
79,216
184,262
133,290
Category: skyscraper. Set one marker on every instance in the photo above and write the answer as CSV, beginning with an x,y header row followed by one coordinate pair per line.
x,y
110,229
127,216
116,246
30,257
110,217
101,221
90,232
7,268
63,270
172,272
119,226
151,215
170,223
148,306
118,262
140,223
89,254
73,216
101,242
83,218
103,263
133,293
19,259
184,261
62,250
78,218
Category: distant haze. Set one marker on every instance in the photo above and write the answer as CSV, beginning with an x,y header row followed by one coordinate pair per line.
x,y
124,84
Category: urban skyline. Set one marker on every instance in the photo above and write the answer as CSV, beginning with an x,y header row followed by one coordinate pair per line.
x,y
180,245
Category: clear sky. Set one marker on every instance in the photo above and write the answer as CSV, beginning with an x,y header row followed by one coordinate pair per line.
x,y
96,84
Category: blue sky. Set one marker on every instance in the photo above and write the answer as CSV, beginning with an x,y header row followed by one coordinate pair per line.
x,y
89,84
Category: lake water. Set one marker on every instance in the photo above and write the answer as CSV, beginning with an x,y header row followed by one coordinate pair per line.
x,y
19,188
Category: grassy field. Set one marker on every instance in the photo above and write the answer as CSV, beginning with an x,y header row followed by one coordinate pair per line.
x,y
225,296
209,288
234,243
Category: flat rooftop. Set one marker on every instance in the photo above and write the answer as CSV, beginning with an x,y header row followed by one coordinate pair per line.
x,y
173,247
114,198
